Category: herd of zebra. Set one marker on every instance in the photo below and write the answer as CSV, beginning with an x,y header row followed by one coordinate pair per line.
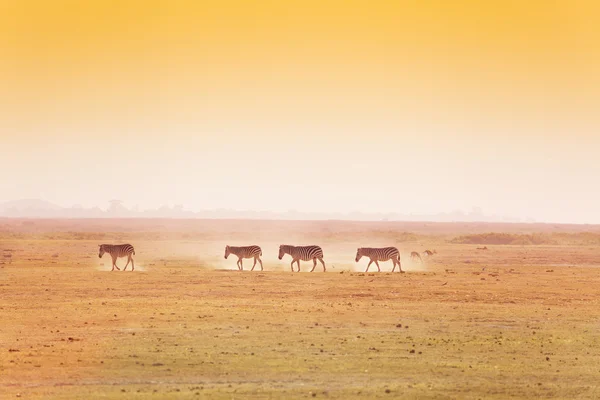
x,y
298,253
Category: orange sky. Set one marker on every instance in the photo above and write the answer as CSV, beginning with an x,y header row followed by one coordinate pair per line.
x,y
406,106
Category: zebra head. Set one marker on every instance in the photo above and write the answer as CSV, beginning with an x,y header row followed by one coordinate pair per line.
x,y
102,251
281,252
227,252
359,254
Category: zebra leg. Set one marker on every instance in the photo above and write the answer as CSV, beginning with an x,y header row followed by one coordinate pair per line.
x,y
115,264
314,264
241,264
253,265
323,262
377,263
368,265
397,260
260,261
128,261
292,265
298,262
132,263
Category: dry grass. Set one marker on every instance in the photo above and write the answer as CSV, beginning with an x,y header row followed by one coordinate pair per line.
x,y
555,239
508,322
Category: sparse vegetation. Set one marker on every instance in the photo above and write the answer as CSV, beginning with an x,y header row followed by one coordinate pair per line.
x,y
499,326
552,239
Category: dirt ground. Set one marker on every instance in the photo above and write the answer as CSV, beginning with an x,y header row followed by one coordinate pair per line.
x,y
512,321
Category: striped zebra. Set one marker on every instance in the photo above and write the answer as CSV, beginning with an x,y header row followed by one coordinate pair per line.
x,y
245,252
118,251
304,253
379,254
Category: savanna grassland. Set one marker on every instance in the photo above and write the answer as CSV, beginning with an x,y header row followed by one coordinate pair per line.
x,y
516,318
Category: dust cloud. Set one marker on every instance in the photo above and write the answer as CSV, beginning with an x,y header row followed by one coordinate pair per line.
x,y
200,244
337,256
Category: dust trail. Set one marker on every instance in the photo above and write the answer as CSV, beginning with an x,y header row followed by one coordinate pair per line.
x,y
204,247
338,255
410,265
103,266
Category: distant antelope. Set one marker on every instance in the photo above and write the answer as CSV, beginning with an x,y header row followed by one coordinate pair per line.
x,y
379,254
429,253
117,251
304,253
414,255
245,252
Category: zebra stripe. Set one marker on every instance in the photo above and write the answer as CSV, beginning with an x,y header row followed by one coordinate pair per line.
x,y
304,253
118,251
245,252
376,254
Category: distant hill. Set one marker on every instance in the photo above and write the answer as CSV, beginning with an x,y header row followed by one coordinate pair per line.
x,y
28,204
36,208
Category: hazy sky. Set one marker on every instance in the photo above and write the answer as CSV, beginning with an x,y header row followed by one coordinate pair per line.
x,y
415,106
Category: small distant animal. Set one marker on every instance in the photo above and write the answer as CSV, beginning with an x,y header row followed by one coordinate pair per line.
x,y
245,252
118,251
379,254
429,253
414,255
482,248
304,253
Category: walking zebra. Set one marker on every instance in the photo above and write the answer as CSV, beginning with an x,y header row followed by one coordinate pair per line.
x,y
304,253
379,254
245,252
414,255
117,251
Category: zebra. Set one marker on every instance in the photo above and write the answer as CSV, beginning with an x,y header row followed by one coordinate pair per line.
x,y
414,255
117,251
245,252
304,253
379,254
430,253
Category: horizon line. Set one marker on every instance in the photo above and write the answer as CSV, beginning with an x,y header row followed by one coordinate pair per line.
x,y
3,217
